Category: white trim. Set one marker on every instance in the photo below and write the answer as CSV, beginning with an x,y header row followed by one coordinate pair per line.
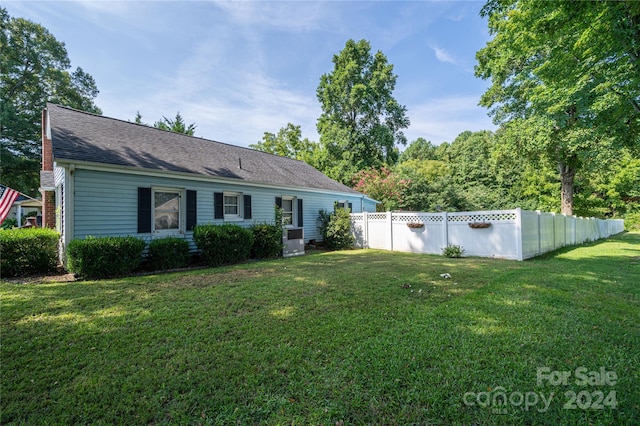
x,y
181,210
199,178
240,203
68,210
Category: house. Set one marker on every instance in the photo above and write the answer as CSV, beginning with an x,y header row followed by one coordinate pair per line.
x,y
107,177
25,207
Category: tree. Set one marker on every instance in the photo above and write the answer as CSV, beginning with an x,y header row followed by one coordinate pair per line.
x,y
361,122
568,74
420,149
177,125
287,142
34,69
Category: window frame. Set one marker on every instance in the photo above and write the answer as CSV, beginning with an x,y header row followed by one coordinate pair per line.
x,y
239,217
293,222
181,209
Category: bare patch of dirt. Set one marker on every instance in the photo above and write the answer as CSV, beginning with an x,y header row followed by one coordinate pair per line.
x,y
42,279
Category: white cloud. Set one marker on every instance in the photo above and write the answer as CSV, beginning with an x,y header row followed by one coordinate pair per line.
x,y
443,56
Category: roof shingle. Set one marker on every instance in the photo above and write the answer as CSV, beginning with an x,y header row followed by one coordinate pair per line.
x,y
85,137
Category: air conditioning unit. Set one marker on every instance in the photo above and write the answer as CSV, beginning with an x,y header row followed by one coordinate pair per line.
x,y
293,241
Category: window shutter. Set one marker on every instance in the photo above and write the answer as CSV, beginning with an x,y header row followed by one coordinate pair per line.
x,y
300,221
247,206
144,210
218,205
279,202
192,206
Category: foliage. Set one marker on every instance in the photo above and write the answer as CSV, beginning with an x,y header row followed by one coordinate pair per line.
x,y
8,223
287,142
275,342
453,250
177,124
104,257
223,244
168,253
383,185
361,122
28,250
335,229
420,149
267,240
34,70
567,74
632,221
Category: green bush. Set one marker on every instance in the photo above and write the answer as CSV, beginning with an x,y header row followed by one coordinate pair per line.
x,y
9,223
336,229
28,250
267,241
168,253
632,222
453,250
223,244
105,257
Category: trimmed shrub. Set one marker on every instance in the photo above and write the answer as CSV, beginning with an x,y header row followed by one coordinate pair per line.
x,y
223,244
267,241
28,251
336,229
105,257
168,253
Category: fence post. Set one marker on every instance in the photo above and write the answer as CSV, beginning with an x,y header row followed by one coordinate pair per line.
x,y
445,230
365,230
539,233
519,250
390,227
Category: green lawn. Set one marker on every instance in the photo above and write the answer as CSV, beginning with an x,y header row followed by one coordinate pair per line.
x,y
353,337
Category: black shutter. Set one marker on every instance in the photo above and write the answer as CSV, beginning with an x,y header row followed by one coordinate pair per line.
x,y
247,206
279,202
144,210
192,209
218,205
300,221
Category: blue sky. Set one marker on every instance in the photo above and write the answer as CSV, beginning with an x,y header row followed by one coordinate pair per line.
x,y
238,69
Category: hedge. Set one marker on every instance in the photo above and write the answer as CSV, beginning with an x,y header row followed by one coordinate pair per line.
x,y
267,241
168,253
105,257
223,244
28,251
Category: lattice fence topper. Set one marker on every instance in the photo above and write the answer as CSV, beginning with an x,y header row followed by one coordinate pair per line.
x,y
412,218
483,217
358,217
377,216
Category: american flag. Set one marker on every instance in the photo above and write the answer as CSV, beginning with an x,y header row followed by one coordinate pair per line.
x,y
7,197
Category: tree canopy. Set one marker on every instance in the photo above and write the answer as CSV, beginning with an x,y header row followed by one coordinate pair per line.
x,y
361,122
176,124
34,70
567,74
287,142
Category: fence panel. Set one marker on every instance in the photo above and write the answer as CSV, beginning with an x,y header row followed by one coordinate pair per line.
x,y
510,234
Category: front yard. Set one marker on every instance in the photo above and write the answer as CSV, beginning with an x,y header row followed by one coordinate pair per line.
x,y
352,337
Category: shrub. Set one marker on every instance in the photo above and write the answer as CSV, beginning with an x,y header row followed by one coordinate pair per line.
x,y
222,244
28,250
632,222
267,241
105,257
336,229
453,250
168,253
9,223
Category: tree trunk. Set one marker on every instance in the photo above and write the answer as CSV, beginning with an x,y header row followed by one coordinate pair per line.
x,y
567,174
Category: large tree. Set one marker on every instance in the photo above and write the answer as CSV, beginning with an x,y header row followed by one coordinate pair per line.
x,y
568,75
361,122
287,142
177,124
34,69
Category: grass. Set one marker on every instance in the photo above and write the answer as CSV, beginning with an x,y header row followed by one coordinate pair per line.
x,y
351,337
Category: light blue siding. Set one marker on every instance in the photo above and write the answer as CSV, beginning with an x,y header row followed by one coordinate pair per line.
x,y
106,203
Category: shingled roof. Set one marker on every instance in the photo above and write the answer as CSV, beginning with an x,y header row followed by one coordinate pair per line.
x,y
84,137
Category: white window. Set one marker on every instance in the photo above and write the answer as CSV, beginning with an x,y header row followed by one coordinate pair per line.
x,y
232,206
287,211
166,210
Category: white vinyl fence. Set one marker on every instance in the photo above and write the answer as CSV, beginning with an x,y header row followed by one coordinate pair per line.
x,y
509,234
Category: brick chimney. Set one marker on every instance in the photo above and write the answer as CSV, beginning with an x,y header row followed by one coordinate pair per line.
x,y
48,195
